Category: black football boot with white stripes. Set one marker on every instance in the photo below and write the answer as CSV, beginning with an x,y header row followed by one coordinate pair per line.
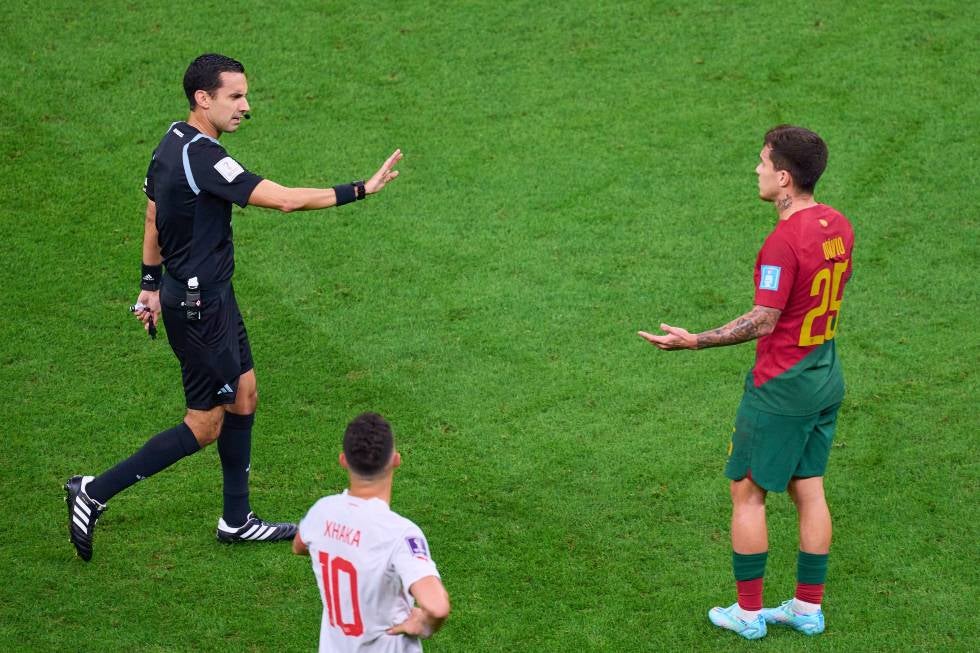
x,y
83,515
255,530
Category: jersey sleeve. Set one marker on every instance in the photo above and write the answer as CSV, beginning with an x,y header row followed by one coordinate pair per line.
x,y
411,558
212,170
307,529
775,272
148,180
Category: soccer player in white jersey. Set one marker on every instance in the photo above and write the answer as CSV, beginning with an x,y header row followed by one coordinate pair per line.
x,y
370,562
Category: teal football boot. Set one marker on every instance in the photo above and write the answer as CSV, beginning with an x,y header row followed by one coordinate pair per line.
x,y
728,618
785,615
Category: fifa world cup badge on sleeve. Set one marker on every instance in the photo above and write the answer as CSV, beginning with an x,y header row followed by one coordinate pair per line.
x,y
769,277
418,547
229,168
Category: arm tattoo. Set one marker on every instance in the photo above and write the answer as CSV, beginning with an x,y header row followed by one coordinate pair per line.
x,y
758,322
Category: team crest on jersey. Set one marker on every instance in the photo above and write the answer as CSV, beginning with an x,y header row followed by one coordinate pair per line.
x,y
418,547
229,168
769,277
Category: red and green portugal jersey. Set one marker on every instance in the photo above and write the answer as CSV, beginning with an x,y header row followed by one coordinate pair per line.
x,y
801,269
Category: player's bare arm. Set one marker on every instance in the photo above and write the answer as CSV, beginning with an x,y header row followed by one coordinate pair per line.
x,y
758,322
299,546
431,611
268,194
151,256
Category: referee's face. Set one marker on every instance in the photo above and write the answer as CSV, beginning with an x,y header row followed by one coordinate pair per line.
x,y
228,102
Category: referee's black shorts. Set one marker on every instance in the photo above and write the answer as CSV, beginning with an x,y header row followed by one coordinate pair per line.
x,y
213,351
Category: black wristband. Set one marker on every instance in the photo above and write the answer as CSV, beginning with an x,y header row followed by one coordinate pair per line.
x,y
150,277
345,194
359,189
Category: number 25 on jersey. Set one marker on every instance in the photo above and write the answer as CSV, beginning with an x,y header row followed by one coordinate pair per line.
x,y
827,286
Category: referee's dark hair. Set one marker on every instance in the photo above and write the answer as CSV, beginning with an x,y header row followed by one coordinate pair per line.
x,y
800,152
204,74
368,444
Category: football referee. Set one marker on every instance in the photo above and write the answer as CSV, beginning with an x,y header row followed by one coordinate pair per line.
x,y
188,263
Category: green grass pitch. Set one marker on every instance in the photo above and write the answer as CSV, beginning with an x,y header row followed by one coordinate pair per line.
x,y
574,171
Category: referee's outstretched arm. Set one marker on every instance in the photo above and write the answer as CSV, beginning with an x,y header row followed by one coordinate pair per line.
x,y
271,195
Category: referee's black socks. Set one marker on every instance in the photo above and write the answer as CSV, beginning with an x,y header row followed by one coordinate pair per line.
x,y
159,452
235,449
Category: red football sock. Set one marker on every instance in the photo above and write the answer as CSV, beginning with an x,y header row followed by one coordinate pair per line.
x,y
750,594
807,592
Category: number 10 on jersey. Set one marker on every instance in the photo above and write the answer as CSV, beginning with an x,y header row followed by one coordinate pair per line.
x,y
332,569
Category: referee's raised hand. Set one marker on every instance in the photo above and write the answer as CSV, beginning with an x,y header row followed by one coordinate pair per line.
x,y
384,174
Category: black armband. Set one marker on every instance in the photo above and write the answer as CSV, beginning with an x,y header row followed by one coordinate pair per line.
x,y
345,194
150,277
359,189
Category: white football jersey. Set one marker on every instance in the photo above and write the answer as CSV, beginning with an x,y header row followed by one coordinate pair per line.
x,y
365,557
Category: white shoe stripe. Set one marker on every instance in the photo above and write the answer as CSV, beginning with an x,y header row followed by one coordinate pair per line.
x,y
259,533
269,533
247,535
82,526
81,516
81,504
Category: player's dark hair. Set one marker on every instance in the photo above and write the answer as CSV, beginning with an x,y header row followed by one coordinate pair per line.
x,y
800,152
368,444
204,74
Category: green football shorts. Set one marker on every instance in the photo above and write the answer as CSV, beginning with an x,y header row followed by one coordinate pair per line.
x,y
776,448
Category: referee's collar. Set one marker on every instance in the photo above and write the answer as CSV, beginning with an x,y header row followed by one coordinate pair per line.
x,y
195,133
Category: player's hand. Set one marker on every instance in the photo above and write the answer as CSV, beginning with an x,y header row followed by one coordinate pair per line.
x,y
150,299
384,174
417,625
676,338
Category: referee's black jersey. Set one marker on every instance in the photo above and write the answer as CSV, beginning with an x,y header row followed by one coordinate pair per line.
x,y
193,182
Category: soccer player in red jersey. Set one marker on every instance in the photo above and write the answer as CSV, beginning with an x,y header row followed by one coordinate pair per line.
x,y
788,414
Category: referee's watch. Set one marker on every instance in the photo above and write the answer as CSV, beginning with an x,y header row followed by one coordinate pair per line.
x,y
359,191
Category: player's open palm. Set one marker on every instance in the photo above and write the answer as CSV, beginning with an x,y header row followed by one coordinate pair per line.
x,y
415,626
384,174
674,338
